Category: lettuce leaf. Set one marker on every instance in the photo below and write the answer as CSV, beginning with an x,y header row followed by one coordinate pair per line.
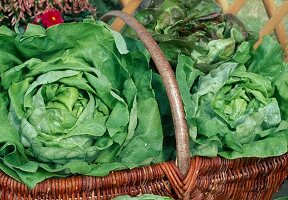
x,y
235,97
233,111
193,28
74,102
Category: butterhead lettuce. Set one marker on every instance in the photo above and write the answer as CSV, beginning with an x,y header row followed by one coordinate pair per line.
x,y
235,110
75,99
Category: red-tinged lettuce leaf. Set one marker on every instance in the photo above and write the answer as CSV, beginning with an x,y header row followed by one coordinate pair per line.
x,y
193,28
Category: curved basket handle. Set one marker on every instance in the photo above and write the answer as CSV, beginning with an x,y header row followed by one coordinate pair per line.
x,y
168,77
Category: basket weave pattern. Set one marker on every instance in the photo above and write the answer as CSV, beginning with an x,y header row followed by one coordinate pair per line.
x,y
214,178
197,178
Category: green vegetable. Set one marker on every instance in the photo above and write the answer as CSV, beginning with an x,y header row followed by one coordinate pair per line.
x,y
234,110
282,198
235,97
75,99
193,28
103,6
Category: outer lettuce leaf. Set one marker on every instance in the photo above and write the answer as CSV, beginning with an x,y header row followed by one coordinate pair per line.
x,y
231,112
267,60
73,102
282,88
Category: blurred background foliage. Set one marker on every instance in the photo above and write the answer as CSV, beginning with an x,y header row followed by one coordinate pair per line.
x,y
22,12
104,6
254,15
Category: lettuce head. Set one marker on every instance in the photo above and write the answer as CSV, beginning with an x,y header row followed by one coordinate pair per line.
x,y
75,99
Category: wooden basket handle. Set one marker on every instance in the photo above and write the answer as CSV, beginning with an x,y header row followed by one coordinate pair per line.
x,y
172,89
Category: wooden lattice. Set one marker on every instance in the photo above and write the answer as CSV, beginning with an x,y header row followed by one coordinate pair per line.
x,y
129,6
275,23
275,14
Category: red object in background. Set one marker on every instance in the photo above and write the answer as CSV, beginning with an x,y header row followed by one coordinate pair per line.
x,y
49,18
38,19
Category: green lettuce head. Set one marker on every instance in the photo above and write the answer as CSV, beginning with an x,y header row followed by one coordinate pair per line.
x,y
235,110
75,99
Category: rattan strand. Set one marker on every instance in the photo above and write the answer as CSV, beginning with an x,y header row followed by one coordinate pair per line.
x,y
215,178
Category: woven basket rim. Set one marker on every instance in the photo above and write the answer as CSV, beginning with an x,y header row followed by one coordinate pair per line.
x,y
215,169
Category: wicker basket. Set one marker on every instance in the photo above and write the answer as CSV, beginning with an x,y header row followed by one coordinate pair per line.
x,y
195,178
